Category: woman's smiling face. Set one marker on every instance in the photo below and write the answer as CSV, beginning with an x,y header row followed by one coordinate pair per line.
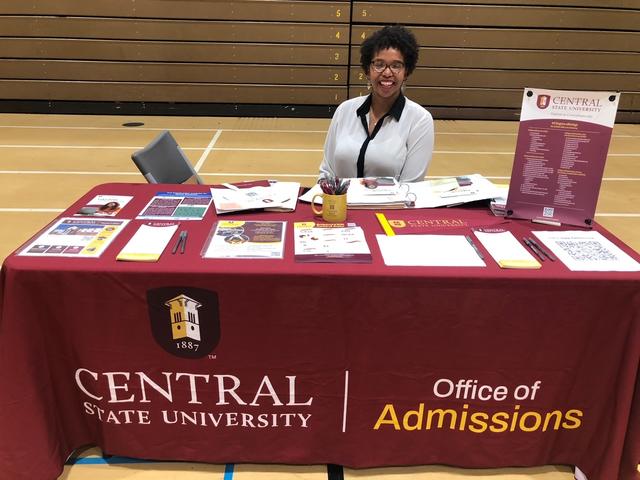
x,y
387,82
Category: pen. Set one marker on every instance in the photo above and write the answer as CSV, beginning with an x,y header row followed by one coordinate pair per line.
x,y
183,234
175,247
474,247
533,249
545,253
182,240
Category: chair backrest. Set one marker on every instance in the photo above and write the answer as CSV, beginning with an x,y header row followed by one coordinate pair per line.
x,y
163,161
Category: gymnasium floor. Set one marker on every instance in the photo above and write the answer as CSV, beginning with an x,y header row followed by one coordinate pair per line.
x,y
48,161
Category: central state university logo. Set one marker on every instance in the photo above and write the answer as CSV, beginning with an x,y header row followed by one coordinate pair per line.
x,y
543,101
185,321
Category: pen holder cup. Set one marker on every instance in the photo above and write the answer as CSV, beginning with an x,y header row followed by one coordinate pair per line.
x,y
334,207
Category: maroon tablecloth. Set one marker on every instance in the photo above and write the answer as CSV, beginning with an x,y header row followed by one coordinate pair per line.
x,y
361,365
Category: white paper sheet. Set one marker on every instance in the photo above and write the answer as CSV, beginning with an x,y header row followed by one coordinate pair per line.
x,y
428,251
587,251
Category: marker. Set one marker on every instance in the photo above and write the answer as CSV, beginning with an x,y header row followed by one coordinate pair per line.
x,y
384,223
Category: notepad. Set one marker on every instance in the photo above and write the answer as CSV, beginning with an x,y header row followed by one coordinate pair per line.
x,y
148,243
506,250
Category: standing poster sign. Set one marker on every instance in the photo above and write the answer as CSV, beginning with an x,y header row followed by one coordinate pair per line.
x,y
562,147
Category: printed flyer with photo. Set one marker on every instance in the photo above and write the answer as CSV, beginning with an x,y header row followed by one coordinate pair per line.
x,y
103,206
246,239
562,146
75,237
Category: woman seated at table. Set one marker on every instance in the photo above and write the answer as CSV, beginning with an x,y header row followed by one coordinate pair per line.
x,y
384,134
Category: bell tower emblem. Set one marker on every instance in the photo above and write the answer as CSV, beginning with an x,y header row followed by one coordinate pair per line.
x,y
184,317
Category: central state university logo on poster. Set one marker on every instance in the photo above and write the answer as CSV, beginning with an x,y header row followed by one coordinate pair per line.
x,y
185,321
543,101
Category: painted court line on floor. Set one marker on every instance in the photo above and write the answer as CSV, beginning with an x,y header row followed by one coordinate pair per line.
x,y
207,150
238,174
115,460
262,149
257,130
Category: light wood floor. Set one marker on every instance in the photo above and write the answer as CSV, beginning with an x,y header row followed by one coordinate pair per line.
x,y
48,161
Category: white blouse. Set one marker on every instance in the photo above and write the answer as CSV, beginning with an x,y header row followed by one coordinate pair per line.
x,y
401,147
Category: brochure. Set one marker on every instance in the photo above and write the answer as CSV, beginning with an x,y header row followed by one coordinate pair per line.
x,y
451,191
75,237
246,239
103,206
267,195
148,243
330,243
176,206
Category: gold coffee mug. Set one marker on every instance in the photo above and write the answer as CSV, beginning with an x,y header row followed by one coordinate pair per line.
x,y
334,207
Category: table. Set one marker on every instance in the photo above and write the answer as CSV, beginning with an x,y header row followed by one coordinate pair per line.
x,y
357,365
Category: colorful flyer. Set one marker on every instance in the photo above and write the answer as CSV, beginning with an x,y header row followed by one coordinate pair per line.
x,y
176,206
560,155
75,237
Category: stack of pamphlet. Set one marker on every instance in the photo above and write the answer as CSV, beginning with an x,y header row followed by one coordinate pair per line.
x,y
387,192
498,205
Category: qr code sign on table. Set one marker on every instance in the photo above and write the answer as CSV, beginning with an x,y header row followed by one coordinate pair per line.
x,y
589,250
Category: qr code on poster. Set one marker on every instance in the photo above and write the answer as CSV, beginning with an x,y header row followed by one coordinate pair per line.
x,y
589,250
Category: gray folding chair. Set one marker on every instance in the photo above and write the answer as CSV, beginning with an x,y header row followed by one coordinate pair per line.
x,y
163,161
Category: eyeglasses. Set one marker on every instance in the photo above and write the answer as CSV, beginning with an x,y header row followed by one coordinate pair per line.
x,y
380,66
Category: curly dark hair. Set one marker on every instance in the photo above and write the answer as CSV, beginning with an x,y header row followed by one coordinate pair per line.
x,y
391,36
